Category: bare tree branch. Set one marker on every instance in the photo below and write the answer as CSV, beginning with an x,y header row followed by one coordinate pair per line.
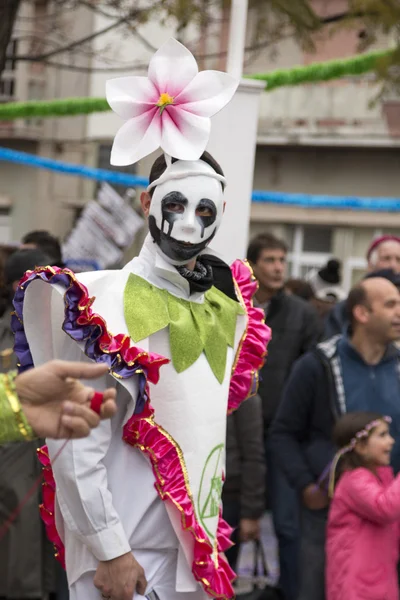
x,y
70,46
276,19
345,16
142,66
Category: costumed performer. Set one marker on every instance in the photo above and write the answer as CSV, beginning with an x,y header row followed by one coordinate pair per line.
x,y
137,503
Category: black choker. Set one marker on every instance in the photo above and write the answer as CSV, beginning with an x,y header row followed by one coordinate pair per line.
x,y
200,279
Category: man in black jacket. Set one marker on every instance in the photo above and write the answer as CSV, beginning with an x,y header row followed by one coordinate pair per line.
x,y
243,494
356,371
295,329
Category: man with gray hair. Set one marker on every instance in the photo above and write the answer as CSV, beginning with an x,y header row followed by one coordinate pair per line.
x,y
384,253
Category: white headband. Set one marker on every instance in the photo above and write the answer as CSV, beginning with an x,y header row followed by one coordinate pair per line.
x,y
181,169
167,176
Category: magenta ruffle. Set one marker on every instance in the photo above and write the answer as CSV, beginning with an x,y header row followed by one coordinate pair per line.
x,y
210,567
48,505
253,347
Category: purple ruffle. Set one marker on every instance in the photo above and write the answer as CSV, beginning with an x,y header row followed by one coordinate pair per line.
x,y
85,326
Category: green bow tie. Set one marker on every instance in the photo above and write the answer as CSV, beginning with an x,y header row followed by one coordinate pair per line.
x,y
193,328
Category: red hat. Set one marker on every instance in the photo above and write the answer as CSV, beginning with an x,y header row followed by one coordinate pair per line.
x,y
380,240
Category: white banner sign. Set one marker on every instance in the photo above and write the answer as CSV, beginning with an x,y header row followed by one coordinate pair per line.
x,y
103,231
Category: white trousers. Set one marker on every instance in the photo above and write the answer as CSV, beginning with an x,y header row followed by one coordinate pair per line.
x,y
160,571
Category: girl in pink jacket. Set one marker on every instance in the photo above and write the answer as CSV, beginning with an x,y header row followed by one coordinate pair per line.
x,y
363,534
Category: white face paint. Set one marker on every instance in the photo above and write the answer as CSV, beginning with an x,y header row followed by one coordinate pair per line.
x,y
185,213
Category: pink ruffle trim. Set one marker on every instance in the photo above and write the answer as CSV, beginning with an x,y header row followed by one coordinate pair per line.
x,y
253,346
48,506
209,567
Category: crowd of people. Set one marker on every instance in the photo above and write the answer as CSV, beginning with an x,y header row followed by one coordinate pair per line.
x,y
333,369
329,356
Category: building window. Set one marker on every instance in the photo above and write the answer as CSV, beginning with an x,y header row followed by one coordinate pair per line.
x,y
6,89
12,50
35,92
310,248
317,239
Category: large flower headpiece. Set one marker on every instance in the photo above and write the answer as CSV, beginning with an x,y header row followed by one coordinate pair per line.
x,y
169,109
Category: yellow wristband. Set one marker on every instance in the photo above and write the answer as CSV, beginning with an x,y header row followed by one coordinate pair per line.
x,y
24,428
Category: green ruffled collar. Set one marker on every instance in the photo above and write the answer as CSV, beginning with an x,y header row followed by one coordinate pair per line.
x,y
193,328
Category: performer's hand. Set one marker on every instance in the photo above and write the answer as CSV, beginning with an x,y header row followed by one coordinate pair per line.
x,y
314,498
56,404
249,529
120,578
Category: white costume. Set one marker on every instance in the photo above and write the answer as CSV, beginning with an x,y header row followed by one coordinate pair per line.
x,y
150,479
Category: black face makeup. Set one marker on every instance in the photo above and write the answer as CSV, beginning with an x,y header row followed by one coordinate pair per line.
x,y
175,209
206,213
172,208
185,213
176,250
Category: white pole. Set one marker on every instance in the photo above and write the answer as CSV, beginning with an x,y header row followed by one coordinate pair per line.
x,y
237,38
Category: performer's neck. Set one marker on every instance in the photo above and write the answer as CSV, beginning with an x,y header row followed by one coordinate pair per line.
x,y
191,265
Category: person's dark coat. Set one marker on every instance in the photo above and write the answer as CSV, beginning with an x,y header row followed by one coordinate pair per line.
x,y
245,461
336,322
295,330
320,389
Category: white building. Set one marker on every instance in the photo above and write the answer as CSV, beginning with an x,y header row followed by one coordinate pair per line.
x,y
313,139
35,198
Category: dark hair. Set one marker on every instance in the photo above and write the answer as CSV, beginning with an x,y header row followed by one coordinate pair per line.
x,y
16,266
300,288
357,297
5,294
388,274
160,165
345,431
264,241
21,261
46,242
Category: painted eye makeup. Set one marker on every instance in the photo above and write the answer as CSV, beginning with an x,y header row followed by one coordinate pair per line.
x,y
172,206
206,213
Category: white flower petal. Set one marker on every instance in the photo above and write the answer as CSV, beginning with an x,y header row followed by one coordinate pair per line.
x,y
172,67
131,96
184,135
137,138
207,93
